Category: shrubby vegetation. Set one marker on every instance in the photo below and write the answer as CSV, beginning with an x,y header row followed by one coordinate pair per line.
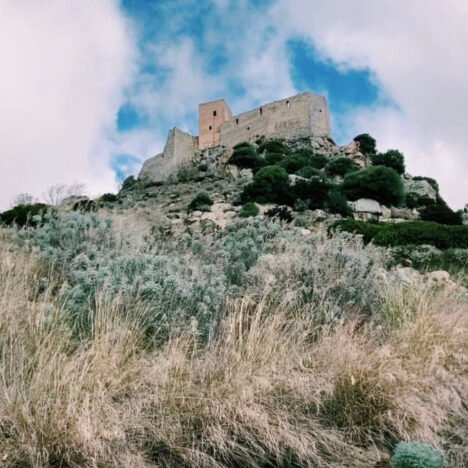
x,y
201,202
248,210
367,144
410,233
392,158
22,215
254,346
379,183
340,167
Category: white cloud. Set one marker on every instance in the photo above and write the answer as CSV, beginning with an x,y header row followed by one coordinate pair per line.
x,y
63,67
417,51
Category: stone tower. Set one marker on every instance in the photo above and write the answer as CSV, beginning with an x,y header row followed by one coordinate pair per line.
x,y
211,117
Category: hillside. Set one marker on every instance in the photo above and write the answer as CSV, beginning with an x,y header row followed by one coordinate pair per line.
x,y
288,303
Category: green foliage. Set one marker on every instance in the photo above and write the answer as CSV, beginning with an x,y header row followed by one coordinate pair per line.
x,y
282,213
308,172
313,191
23,215
270,185
392,158
319,161
411,233
129,183
441,213
340,167
85,205
248,210
245,156
416,455
367,144
294,162
202,202
272,146
337,203
108,198
367,230
379,183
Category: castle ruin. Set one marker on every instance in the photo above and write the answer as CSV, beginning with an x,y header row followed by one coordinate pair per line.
x,y
305,115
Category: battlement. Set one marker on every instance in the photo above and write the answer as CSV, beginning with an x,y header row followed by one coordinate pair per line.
x,y
303,115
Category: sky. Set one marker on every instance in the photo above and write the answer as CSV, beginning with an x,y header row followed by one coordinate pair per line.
x,y
89,89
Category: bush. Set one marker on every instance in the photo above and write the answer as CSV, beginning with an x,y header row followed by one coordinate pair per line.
x,y
313,191
337,203
308,172
367,230
282,213
245,156
379,183
303,158
248,210
411,233
341,167
108,197
270,185
367,144
85,206
129,183
202,202
272,146
441,213
22,215
273,158
416,455
392,158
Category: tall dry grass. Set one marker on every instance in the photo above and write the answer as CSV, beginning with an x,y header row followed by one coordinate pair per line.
x,y
269,390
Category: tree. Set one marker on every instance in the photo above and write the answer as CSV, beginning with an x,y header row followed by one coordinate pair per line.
x,y
367,144
57,193
23,199
270,185
392,158
340,167
379,183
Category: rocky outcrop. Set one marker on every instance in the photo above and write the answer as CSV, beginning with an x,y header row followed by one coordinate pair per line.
x,y
420,188
366,209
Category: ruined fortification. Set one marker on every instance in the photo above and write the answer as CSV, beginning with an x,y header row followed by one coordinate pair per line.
x,y
305,115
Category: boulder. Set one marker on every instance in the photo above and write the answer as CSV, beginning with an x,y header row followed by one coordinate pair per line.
x,y
367,205
318,216
465,214
404,213
386,212
421,188
293,178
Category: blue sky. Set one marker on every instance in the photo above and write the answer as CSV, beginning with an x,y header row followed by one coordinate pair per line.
x,y
91,88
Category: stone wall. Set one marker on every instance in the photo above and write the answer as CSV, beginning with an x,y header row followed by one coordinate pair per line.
x,y
179,151
300,116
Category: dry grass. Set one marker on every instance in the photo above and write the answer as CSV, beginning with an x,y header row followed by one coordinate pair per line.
x,y
266,392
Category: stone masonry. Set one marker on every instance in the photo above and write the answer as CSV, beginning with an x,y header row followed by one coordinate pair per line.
x,y
305,115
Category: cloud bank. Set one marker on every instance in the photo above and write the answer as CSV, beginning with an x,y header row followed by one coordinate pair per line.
x,y
64,67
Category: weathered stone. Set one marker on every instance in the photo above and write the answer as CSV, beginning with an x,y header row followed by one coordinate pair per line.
x,y
421,188
465,214
293,178
318,216
367,205
404,213
386,212
363,216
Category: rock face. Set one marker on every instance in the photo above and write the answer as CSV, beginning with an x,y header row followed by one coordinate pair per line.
x,y
465,214
404,213
421,188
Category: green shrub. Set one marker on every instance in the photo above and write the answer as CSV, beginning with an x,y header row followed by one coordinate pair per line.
x,y
273,158
441,213
308,172
367,230
416,455
313,191
367,144
272,146
248,210
303,158
270,185
85,206
392,158
379,183
129,183
319,161
108,197
341,167
282,213
337,203
22,215
411,233
245,156
202,202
